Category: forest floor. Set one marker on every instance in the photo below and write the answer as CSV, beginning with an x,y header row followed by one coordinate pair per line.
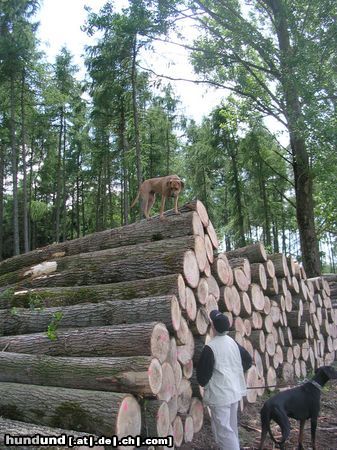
x,y
326,436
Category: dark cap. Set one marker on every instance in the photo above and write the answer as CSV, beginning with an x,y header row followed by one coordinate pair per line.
x,y
220,322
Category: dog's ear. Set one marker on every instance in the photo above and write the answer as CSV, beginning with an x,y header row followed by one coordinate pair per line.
x,y
182,184
168,183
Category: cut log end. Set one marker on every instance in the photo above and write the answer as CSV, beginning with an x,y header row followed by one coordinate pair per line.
x,y
128,418
160,342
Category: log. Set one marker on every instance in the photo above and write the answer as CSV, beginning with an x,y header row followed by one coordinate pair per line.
x,y
240,279
209,249
143,231
199,207
257,338
184,396
213,287
202,291
191,305
269,268
240,263
136,375
168,385
272,286
66,296
145,339
188,428
113,265
271,378
251,381
245,305
101,413
258,275
23,321
253,252
22,429
178,431
270,344
280,264
212,234
196,410
256,296
286,372
155,419
221,270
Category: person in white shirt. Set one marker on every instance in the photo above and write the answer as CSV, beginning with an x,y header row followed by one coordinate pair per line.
x,y
220,370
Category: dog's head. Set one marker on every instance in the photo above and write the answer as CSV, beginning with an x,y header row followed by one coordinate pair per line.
x,y
328,371
175,185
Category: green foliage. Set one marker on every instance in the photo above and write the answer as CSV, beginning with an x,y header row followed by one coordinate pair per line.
x,y
53,326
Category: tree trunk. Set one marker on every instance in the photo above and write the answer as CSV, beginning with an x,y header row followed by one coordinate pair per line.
x,y
2,168
101,413
24,167
135,111
302,171
133,374
59,180
16,237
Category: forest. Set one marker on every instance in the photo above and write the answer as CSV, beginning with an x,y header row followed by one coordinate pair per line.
x,y
73,151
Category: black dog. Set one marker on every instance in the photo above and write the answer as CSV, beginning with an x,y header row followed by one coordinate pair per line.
x,y
301,403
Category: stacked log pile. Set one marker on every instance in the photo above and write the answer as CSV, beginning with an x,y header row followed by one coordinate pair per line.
x,y
101,334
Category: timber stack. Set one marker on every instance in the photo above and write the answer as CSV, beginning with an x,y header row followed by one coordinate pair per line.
x,y
101,334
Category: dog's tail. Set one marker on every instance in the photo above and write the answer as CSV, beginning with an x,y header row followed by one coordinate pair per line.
x,y
135,200
281,418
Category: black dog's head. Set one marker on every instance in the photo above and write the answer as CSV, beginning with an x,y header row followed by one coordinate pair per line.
x,y
326,373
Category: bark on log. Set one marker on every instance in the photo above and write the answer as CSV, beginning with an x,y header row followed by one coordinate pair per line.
x,y
272,286
280,264
253,252
145,339
136,375
22,429
101,413
143,231
23,321
113,265
66,296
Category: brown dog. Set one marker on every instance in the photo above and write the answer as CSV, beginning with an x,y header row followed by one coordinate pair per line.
x,y
169,186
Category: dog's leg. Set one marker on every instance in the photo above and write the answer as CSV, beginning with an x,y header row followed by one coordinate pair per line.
x,y
176,205
313,432
264,425
300,436
150,201
162,206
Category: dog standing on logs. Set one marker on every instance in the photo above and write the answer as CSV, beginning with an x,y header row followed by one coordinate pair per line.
x,y
301,403
169,186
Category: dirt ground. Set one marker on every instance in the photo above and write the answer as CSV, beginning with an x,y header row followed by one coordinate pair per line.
x,y
250,427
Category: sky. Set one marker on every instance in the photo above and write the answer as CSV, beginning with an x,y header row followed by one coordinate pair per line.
x,y
60,25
